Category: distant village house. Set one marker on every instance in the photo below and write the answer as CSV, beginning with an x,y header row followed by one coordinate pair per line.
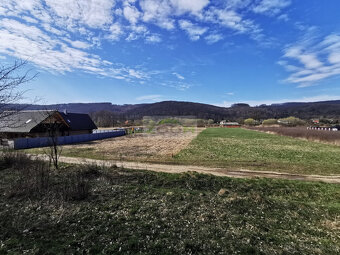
x,y
228,124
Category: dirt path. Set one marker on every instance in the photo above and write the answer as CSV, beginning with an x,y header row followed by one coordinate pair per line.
x,y
205,170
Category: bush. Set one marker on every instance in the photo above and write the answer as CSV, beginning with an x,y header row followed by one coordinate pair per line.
x,y
249,122
34,179
269,122
13,160
291,122
76,186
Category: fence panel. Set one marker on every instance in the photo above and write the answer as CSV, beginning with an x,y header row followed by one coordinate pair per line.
x,y
27,143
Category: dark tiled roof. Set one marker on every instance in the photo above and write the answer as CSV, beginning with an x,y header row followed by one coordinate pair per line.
x,y
78,121
23,121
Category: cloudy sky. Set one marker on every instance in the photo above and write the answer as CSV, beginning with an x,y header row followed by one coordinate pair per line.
x,y
210,51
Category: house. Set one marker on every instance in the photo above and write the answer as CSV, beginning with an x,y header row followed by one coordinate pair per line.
x,y
224,123
40,123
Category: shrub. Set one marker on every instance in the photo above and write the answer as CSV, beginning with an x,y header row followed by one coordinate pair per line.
x,y
33,179
249,122
291,121
13,160
269,122
76,186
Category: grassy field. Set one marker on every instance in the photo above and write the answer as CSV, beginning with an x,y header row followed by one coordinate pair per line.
x,y
119,211
240,148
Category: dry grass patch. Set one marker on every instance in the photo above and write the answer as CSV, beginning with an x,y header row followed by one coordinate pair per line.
x,y
152,147
332,137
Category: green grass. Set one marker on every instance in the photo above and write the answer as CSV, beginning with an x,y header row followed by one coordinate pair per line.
x,y
129,212
241,148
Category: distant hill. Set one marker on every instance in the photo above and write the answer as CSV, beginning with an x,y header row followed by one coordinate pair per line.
x,y
325,109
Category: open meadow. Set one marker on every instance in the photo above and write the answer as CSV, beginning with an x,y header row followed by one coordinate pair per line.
x,y
91,210
216,147
248,149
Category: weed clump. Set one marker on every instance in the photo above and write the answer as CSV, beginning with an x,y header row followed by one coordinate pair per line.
x,y
35,179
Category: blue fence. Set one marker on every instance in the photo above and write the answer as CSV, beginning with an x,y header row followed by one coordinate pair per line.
x,y
27,143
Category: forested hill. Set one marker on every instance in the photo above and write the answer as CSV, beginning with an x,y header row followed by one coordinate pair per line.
x,y
325,109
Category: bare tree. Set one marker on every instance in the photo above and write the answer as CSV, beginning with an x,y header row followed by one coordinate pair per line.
x,y
11,78
53,128
55,149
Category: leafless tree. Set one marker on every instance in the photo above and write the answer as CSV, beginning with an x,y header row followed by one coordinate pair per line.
x,y
53,128
12,77
55,149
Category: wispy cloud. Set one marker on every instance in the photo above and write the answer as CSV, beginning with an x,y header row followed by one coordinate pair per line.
x,y
48,52
271,7
149,98
213,38
178,76
65,35
311,61
194,31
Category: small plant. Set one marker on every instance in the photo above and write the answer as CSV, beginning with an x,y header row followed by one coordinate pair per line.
x,y
75,187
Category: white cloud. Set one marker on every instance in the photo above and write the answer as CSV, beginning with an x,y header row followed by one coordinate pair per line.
x,y
29,42
94,13
231,19
149,98
162,12
183,6
309,60
334,58
271,7
62,35
178,76
230,93
131,14
318,60
192,30
283,17
79,44
115,31
158,11
213,38
154,38
137,32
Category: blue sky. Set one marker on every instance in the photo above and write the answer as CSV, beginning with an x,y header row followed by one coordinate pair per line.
x,y
210,51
